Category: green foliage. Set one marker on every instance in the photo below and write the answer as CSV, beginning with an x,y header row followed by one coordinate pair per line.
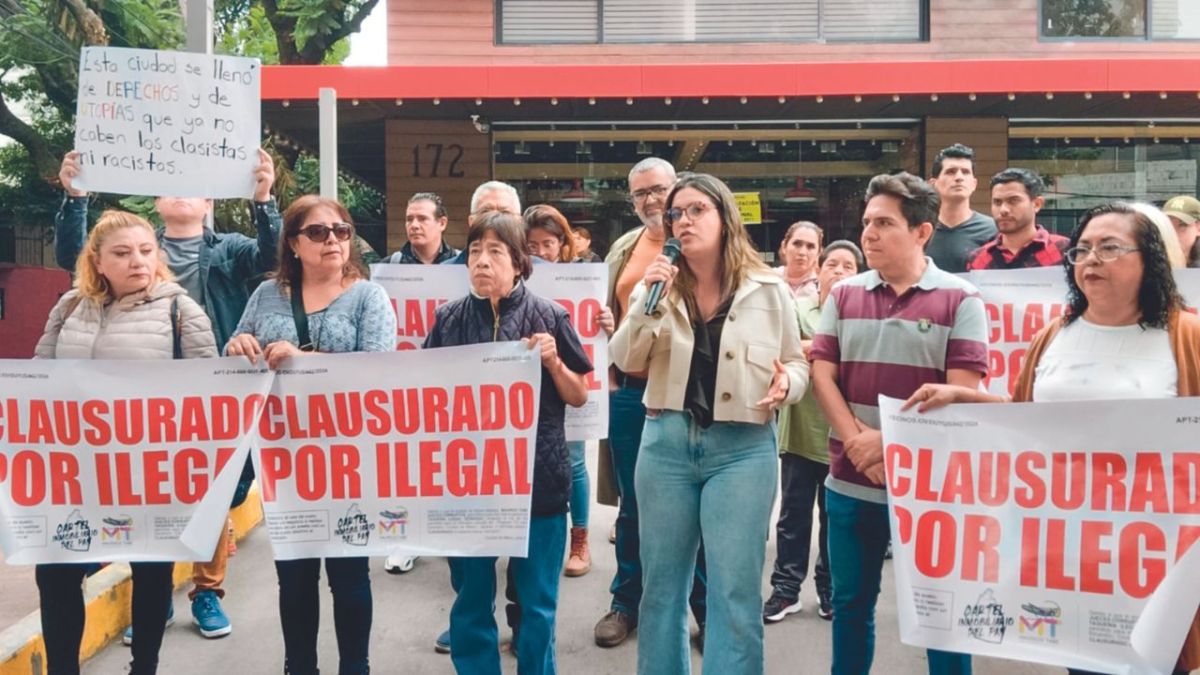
x,y
318,18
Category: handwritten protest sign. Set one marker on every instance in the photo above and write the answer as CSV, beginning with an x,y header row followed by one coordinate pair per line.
x,y
421,452
167,123
581,288
1041,531
121,460
1019,303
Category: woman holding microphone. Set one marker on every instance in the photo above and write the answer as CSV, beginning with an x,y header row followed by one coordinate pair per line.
x,y
723,351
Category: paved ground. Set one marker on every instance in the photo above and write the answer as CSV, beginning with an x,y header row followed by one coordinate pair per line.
x,y
19,591
411,609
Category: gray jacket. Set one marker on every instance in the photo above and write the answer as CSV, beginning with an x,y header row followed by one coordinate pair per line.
x,y
137,326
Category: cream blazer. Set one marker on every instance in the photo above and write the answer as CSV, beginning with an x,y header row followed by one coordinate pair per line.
x,y
760,327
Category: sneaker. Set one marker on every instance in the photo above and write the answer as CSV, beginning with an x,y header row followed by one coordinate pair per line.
x,y
442,644
399,564
613,628
779,606
580,561
825,605
127,638
208,615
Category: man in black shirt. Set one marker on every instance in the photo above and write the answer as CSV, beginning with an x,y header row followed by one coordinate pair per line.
x,y
958,230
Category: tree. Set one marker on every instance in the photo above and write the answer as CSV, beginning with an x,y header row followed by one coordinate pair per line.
x,y
1095,18
307,30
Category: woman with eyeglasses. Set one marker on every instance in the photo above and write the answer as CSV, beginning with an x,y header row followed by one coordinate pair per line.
x,y
1125,335
318,301
723,352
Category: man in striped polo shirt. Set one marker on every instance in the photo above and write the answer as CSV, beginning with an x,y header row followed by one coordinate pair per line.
x,y
887,331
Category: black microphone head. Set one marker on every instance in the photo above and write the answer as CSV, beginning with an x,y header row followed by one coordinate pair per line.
x,y
672,249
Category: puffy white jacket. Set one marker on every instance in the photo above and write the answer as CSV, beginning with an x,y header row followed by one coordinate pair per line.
x,y
137,326
759,328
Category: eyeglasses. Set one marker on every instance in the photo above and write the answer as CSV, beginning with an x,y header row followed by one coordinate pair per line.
x,y
319,232
693,211
1104,253
657,190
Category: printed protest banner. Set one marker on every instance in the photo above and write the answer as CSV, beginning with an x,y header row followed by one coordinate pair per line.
x,y
427,453
167,123
121,460
1019,303
1041,531
581,288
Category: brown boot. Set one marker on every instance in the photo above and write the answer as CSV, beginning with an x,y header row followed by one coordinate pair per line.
x,y
580,562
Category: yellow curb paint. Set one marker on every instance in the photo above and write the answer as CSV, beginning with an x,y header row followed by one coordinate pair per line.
x,y
107,612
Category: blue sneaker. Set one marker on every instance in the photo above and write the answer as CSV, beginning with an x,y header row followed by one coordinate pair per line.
x,y
442,644
127,638
207,614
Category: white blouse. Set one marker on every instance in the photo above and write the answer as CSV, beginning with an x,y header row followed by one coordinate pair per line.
x,y
1090,362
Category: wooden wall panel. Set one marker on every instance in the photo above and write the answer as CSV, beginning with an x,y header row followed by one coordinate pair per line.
x,y
448,157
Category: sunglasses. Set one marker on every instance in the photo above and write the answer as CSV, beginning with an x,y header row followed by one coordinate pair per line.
x,y
319,232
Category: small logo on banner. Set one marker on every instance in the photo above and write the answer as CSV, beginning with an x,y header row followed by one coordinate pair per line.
x,y
354,528
75,533
985,620
393,523
116,530
1039,622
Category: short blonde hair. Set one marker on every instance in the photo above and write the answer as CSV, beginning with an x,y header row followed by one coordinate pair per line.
x,y
88,280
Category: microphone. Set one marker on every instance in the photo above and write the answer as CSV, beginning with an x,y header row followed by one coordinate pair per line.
x,y
671,250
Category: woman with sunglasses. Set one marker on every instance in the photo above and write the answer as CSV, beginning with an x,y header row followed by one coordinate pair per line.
x,y
723,351
319,289
1124,335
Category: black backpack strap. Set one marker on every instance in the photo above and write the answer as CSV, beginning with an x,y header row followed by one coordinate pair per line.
x,y
176,330
301,319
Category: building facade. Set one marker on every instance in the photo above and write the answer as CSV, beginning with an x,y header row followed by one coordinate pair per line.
x,y
795,103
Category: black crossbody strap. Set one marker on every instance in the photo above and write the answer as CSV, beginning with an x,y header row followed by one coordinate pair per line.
x,y
176,330
301,319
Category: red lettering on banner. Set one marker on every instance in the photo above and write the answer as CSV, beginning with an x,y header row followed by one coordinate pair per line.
x,y
193,427
593,382
28,478
1056,536
521,465
981,538
491,407
1033,494
899,458
520,406
994,470
1149,489
348,413
310,473
99,434
584,317
296,431
959,483
66,422
39,423
925,491
462,477
343,465
383,471
190,480
430,450
464,416
103,479
1186,473
1068,488
268,428
904,522
434,406
154,476
1140,580
1188,535
160,413
320,418
1031,542
417,318
396,461
934,549
126,495
15,436
377,417
497,476
64,479
1092,554
276,464
128,421
1108,481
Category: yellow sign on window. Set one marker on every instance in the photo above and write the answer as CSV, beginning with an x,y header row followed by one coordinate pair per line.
x,y
750,206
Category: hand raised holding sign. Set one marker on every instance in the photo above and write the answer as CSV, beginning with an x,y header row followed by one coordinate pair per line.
x,y
68,172
264,176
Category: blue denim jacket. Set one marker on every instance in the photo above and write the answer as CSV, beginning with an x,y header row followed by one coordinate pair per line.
x,y
228,260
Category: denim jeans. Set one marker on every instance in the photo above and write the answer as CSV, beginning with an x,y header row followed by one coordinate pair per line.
x,y
581,484
858,538
718,481
474,637
626,415
60,589
802,481
300,612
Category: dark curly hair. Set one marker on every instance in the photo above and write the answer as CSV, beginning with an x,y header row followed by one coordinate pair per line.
x,y
1158,297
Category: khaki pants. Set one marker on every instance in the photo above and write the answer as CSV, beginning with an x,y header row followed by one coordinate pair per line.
x,y
210,575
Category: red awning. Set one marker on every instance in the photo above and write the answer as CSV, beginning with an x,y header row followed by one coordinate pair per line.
x,y
722,80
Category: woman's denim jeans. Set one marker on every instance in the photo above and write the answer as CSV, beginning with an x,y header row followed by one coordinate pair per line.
x,y
719,482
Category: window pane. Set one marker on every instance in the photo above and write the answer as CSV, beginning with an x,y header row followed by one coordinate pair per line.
x,y
556,21
1094,18
871,20
710,20
1175,19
